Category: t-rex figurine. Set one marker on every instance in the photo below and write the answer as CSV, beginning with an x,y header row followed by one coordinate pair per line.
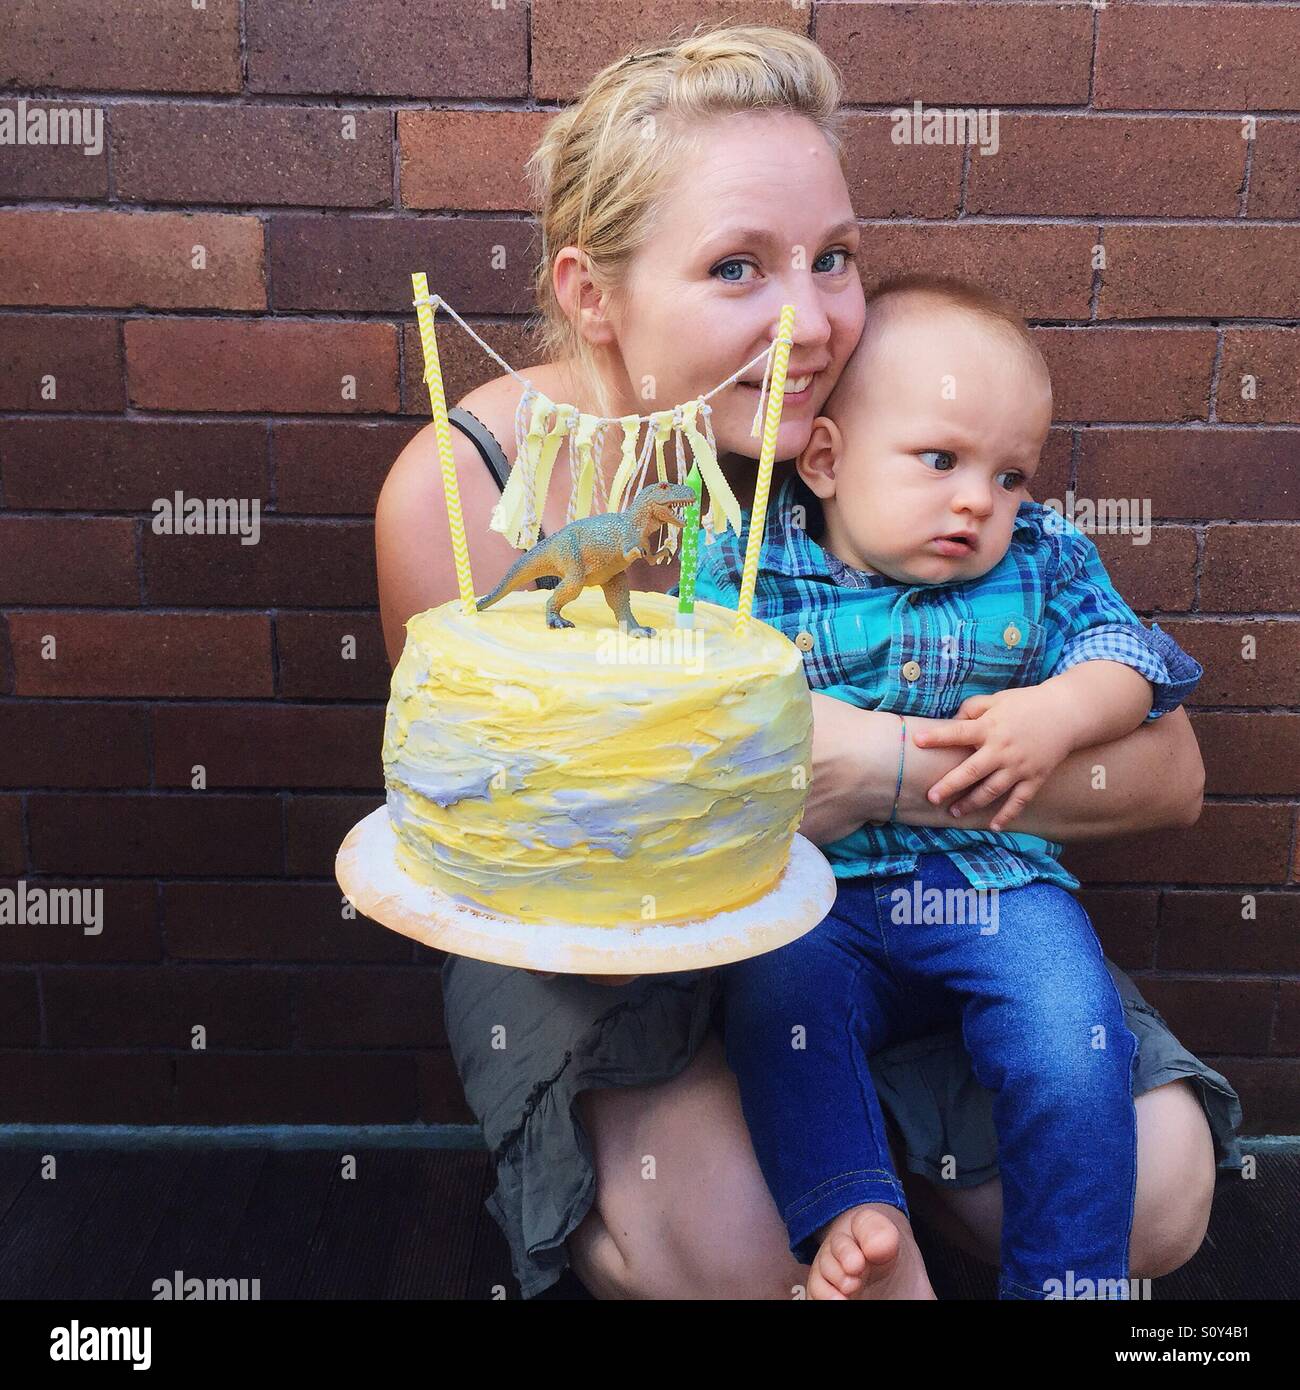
x,y
597,550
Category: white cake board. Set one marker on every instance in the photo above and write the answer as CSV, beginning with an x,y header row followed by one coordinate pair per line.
x,y
368,872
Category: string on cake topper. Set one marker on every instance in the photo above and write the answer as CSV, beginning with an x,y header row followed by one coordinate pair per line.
x,y
542,426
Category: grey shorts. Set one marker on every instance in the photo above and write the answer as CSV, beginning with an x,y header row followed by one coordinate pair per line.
x,y
525,1048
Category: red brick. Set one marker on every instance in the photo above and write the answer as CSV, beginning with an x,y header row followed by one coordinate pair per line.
x,y
126,1007
148,45
1226,57
1214,1015
1270,677
6,660
196,833
64,560
468,159
1171,271
1251,569
1269,1091
434,50
322,156
20,1024
13,853
1250,754
81,745
1158,577
889,180
1045,271
282,1088
465,366
1086,166
971,54
335,468
1206,931
295,564
126,465
1274,188
1286,1033
310,653
1191,474
129,259
1052,477
56,170
269,746
1126,923
82,354
1128,373
272,922
164,654
129,927
343,263
442,1102
256,366
1272,357
369,1007
88,1088
315,827
1229,844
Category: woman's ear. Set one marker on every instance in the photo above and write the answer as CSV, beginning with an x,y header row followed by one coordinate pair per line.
x,y
817,464
586,306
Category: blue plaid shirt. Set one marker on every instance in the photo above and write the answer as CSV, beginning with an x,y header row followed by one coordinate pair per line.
x,y
923,649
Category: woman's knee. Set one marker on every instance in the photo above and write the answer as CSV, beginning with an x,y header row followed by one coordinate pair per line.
x,y
1175,1180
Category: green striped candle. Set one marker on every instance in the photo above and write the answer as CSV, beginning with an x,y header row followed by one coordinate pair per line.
x,y
690,560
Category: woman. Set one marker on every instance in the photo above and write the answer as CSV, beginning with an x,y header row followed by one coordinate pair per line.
x,y
693,190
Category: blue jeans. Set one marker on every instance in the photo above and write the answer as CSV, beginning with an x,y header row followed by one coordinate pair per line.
x,y
1023,972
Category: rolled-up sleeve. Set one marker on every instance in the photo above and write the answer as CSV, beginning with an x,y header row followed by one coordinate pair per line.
x,y
1089,621
1149,651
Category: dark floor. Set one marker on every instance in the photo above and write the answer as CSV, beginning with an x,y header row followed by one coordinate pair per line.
x,y
411,1224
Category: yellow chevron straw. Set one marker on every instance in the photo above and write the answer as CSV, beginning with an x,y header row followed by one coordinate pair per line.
x,y
442,432
763,483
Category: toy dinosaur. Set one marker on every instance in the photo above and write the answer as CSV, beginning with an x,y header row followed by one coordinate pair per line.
x,y
598,550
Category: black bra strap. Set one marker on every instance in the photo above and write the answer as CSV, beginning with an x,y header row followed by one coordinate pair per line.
x,y
494,456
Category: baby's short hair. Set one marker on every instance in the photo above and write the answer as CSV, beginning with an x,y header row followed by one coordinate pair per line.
x,y
896,295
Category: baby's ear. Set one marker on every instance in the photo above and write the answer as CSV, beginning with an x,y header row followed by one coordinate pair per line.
x,y
816,463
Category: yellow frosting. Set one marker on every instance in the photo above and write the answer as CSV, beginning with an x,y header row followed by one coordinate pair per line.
x,y
587,776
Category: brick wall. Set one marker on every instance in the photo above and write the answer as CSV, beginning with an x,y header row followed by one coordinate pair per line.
x,y
317,153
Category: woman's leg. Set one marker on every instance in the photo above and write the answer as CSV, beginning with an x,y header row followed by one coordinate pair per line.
x,y
681,1210
1171,1205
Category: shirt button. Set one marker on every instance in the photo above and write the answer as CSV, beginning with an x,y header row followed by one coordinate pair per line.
x,y
804,641
1012,635
911,670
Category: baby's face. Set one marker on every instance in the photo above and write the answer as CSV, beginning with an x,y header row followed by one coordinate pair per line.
x,y
927,462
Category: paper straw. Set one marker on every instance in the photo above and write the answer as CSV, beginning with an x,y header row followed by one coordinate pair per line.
x,y
763,483
442,432
690,560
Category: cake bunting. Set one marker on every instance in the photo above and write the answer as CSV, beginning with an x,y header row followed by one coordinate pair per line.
x,y
543,426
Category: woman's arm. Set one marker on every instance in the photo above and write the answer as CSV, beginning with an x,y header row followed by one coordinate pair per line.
x,y
1154,778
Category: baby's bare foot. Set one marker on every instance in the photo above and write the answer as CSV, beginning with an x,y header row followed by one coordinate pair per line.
x,y
868,1252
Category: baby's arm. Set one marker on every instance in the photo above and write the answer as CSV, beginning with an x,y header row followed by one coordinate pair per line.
x,y
1021,736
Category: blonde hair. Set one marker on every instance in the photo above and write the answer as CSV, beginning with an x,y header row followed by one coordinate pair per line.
x,y
597,181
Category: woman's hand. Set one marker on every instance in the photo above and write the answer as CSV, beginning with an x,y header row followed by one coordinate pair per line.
x,y
854,769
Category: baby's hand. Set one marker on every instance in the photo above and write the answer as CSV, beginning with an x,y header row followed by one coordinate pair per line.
x,y
1019,737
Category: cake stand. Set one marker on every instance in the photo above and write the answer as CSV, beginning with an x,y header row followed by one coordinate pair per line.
x,y
368,872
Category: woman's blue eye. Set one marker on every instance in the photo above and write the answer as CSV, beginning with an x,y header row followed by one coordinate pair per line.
x,y
940,454
735,260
